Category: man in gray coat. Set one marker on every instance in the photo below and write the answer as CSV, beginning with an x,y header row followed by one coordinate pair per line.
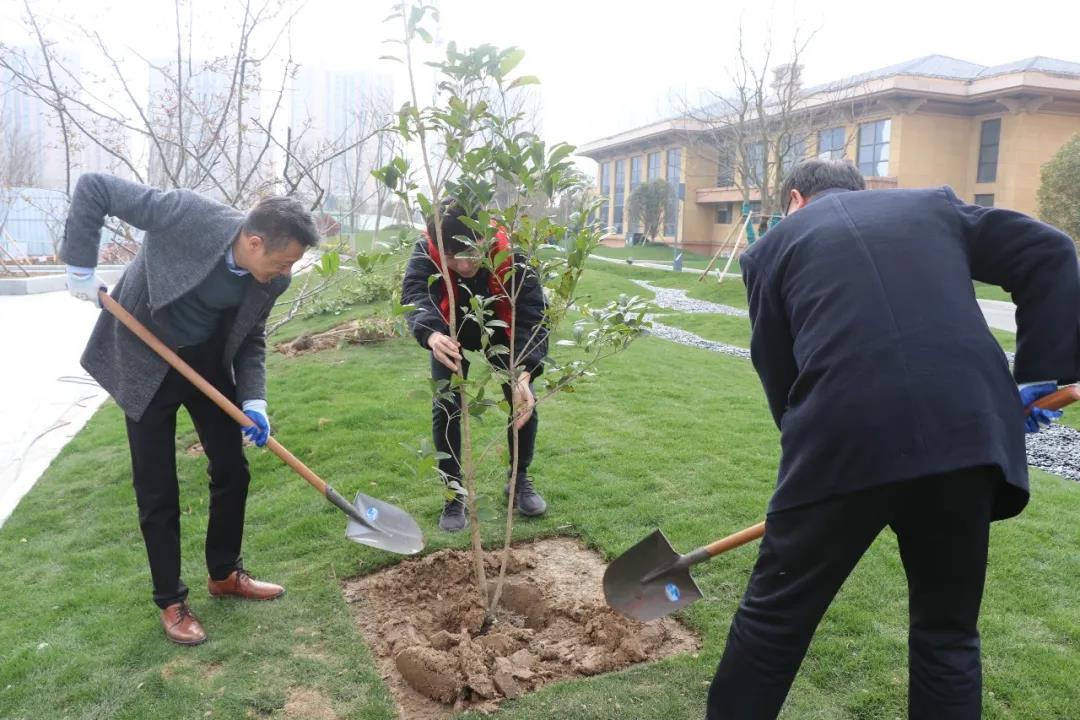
x,y
204,282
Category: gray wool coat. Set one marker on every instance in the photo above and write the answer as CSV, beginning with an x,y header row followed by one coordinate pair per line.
x,y
186,236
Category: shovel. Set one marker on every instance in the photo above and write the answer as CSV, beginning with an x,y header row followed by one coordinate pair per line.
x,y
651,579
371,522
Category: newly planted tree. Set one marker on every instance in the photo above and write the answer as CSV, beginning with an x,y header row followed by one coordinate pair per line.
x,y
514,189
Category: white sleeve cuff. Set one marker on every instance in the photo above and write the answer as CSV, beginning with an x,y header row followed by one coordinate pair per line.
x,y
256,405
80,272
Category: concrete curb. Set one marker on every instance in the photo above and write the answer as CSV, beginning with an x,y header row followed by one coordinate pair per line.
x,y
39,282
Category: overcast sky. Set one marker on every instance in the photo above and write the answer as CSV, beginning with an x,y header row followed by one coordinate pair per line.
x,y
607,66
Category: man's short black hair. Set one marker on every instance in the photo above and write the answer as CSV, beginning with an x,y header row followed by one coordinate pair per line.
x,y
450,214
277,220
813,176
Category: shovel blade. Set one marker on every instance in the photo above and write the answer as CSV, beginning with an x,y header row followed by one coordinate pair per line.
x,y
627,591
387,527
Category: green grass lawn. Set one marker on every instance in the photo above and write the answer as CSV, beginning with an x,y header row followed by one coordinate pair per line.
x,y
693,451
991,292
658,253
729,292
363,240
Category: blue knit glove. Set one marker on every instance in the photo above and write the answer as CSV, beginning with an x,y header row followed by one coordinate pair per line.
x,y
1029,394
258,433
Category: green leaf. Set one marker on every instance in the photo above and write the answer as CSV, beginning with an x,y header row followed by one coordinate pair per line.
x,y
424,35
510,61
523,81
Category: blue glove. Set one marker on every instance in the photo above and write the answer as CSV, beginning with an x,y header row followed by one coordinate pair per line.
x,y
258,433
84,284
1029,394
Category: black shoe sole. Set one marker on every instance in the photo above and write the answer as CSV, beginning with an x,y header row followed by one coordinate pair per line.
x,y
454,530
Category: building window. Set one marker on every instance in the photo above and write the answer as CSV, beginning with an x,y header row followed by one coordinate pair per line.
x,y
793,153
723,214
986,200
874,148
605,193
620,195
653,171
755,164
635,180
725,168
989,138
674,175
635,173
830,144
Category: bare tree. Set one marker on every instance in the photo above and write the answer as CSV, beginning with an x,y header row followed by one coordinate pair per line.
x,y
18,167
766,119
200,119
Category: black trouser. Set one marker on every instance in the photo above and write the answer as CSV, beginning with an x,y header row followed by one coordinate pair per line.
x,y
942,524
153,460
446,427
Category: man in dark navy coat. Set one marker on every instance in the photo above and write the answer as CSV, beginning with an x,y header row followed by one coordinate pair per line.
x,y
896,408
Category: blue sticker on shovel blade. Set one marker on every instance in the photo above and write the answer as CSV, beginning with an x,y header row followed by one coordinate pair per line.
x,y
672,592
372,513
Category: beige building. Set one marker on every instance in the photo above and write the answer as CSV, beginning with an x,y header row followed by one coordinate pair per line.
x,y
986,131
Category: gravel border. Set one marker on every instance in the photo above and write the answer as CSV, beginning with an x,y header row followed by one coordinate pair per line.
x,y
684,337
673,299
1053,450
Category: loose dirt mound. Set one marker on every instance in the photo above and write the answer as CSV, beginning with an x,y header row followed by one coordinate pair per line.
x,y
424,623
355,332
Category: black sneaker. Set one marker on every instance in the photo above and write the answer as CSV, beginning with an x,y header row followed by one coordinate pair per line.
x,y
528,502
453,518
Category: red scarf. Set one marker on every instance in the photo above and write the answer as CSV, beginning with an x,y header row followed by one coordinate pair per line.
x,y
502,302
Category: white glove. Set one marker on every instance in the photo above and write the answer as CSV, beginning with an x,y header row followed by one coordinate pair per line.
x,y
84,284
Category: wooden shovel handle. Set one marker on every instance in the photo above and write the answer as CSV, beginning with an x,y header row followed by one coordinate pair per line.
x,y
1054,401
129,321
735,540
1057,400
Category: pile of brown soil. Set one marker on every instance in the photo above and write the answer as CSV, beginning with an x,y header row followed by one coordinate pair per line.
x,y
425,624
354,332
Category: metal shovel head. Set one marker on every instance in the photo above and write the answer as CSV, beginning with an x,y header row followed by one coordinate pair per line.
x,y
627,591
386,527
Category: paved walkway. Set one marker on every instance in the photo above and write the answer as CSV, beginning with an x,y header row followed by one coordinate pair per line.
x,y
46,396
663,266
1000,315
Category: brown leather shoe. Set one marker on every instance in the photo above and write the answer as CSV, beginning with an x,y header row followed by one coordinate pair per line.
x,y
240,584
181,625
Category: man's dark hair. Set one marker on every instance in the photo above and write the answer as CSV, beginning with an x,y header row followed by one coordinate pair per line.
x,y
450,214
813,176
277,220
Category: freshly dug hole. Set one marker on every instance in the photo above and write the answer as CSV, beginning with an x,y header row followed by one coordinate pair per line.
x,y
424,622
